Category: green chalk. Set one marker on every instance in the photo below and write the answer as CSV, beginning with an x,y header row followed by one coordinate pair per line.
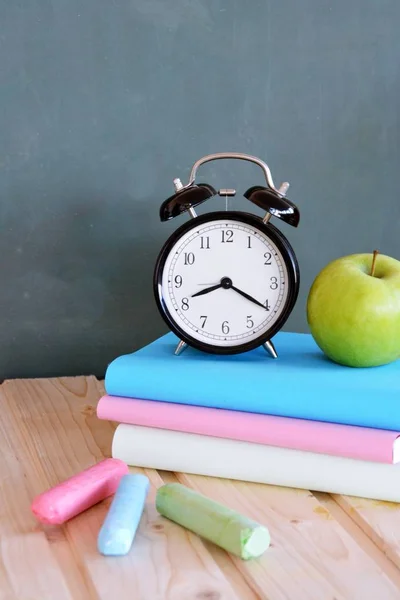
x,y
212,521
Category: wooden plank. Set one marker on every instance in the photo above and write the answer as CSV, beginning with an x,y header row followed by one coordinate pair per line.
x,y
32,569
73,569
52,433
379,520
360,536
6,592
15,515
35,419
312,556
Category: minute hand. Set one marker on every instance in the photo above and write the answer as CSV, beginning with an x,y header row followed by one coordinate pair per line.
x,y
248,297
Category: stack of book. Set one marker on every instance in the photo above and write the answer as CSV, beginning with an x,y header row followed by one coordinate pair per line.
x,y
299,420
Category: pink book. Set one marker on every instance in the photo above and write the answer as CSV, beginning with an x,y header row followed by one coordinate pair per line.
x,y
349,441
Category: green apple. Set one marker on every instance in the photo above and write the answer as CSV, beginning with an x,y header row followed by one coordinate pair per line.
x,y
353,310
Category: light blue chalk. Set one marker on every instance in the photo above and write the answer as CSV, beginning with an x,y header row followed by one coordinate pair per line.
x,y
119,528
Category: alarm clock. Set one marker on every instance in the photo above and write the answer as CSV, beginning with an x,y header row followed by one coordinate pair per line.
x,y
225,282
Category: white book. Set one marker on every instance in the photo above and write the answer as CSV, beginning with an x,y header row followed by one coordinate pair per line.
x,y
246,461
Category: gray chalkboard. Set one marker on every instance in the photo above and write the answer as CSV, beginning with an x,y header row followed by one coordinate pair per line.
x,y
104,102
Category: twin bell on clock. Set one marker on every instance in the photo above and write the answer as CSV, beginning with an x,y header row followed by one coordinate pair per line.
x,y
226,282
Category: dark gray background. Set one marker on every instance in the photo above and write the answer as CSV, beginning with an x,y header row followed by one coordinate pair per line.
x,y
104,102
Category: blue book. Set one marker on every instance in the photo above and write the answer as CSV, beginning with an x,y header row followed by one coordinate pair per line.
x,y
300,383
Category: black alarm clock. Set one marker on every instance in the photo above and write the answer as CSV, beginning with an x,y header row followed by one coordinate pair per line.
x,y
226,282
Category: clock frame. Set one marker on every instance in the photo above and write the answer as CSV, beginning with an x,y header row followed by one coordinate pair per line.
x,y
272,201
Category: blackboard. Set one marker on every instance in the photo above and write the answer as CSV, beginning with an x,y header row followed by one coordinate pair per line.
x,y
104,102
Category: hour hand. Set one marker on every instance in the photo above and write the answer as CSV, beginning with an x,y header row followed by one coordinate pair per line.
x,y
207,290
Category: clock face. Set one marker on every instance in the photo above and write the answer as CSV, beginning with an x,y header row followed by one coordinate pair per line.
x,y
225,281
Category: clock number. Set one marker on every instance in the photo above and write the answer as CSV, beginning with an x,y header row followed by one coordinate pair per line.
x,y
267,255
267,305
249,241
274,283
185,304
225,327
250,322
189,258
205,244
227,236
204,321
178,281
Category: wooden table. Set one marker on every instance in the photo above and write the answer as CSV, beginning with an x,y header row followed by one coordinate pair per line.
x,y
323,547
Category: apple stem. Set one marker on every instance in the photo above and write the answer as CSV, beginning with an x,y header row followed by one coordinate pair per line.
x,y
374,262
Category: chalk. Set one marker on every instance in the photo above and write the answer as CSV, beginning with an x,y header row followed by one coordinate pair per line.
x,y
219,524
79,492
119,528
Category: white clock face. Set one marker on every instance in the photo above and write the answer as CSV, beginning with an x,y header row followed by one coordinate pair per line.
x,y
230,261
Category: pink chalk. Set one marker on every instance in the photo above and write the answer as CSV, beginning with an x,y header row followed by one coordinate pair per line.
x,y
79,492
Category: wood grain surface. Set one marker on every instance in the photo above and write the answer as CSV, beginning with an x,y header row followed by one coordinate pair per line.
x,y
323,547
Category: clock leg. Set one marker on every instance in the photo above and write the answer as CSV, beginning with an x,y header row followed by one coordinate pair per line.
x,y
180,348
270,348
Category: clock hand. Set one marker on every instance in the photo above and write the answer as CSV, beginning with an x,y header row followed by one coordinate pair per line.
x,y
225,283
247,296
207,290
